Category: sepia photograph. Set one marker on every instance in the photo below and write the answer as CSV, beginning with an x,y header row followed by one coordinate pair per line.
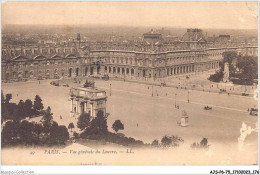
x,y
129,83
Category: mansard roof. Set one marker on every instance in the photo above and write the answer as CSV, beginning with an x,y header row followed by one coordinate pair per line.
x,y
39,53
56,57
71,56
193,35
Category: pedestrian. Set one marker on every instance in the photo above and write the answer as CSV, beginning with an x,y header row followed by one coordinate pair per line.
x,y
17,95
166,94
60,117
137,125
39,82
248,109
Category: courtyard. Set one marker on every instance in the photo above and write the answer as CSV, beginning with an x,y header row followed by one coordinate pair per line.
x,y
148,111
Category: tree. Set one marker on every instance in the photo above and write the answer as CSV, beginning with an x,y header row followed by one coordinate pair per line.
x,y
155,143
117,125
4,113
58,134
62,134
171,141
83,121
38,130
99,123
229,56
8,97
217,77
2,97
28,107
166,141
10,132
204,143
248,69
26,133
19,111
37,105
71,126
47,120
244,72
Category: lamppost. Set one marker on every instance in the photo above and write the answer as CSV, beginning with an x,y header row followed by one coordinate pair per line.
x,y
175,99
152,90
188,96
110,89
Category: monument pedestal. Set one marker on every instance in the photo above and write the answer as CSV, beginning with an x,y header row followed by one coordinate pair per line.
x,y
226,84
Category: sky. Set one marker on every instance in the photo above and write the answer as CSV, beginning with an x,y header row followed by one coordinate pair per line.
x,y
225,15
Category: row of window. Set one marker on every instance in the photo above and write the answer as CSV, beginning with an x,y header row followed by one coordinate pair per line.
x,y
48,63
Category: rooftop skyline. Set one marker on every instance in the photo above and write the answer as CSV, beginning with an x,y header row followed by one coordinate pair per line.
x,y
225,15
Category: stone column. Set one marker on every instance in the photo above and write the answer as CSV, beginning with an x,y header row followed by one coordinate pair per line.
x,y
77,107
91,110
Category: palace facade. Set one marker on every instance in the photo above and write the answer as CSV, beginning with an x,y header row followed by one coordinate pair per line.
x,y
151,60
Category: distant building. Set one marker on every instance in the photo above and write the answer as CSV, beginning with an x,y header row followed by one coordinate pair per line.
x,y
194,38
149,59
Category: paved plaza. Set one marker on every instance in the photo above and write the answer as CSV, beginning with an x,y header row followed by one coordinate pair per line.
x,y
149,112
147,116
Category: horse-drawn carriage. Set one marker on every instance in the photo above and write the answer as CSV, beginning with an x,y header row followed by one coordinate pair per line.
x,y
245,94
105,77
207,108
163,84
253,112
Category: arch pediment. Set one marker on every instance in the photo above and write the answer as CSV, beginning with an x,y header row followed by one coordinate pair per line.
x,y
56,57
70,56
39,57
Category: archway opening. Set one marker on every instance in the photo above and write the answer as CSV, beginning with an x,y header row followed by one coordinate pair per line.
x,y
70,72
98,69
132,71
82,107
77,72
91,70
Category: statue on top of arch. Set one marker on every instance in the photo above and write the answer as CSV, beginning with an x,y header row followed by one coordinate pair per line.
x,y
89,84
